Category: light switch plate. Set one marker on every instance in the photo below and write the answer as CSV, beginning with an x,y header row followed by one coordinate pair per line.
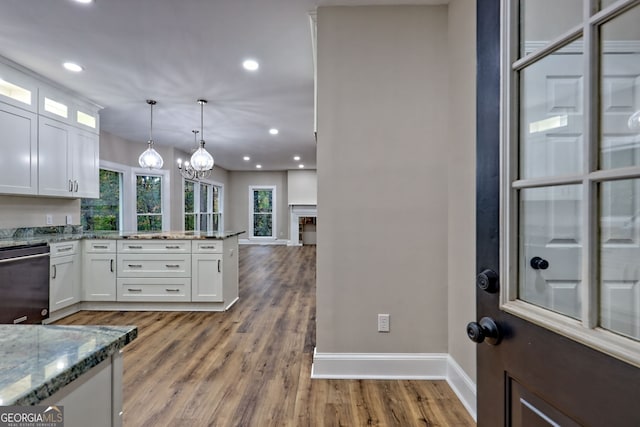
x,y
49,219
69,220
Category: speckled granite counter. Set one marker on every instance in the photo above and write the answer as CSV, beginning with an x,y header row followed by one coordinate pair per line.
x,y
36,361
30,239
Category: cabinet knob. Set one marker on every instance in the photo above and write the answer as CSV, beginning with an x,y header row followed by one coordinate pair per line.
x,y
487,280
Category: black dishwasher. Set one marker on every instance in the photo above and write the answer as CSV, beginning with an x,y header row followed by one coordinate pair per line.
x,y
24,284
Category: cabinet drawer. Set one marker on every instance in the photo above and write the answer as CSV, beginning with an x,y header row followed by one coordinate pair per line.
x,y
99,246
154,265
154,290
63,248
206,246
154,246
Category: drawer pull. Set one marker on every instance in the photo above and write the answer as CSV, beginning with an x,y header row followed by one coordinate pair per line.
x,y
172,290
172,247
134,290
100,246
65,249
135,265
135,247
172,265
207,247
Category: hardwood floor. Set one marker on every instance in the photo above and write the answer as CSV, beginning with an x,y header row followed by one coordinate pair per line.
x,y
250,366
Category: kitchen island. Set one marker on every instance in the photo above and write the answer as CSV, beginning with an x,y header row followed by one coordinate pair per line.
x,y
173,271
155,271
78,367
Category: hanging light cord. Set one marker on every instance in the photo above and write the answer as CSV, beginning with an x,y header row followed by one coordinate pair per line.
x,y
151,127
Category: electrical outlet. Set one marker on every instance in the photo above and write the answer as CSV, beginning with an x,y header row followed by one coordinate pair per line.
x,y
69,220
49,219
383,323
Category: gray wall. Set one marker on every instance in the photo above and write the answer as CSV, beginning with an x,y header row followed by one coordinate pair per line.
x,y
461,182
382,164
239,200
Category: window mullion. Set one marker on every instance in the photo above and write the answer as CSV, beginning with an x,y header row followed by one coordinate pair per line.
x,y
590,265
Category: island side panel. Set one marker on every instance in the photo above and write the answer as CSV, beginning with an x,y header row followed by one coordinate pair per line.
x,y
230,271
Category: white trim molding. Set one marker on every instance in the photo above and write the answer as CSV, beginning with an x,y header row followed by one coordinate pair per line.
x,y
462,386
262,242
295,212
397,366
379,366
274,214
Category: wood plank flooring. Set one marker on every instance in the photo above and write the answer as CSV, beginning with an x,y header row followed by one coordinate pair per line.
x,y
250,366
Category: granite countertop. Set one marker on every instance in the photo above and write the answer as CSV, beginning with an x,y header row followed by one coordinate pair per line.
x,y
62,237
38,360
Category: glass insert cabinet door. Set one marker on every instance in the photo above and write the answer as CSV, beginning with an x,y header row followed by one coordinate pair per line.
x,y
571,169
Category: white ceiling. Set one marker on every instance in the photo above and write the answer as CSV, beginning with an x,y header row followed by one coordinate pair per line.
x,y
177,51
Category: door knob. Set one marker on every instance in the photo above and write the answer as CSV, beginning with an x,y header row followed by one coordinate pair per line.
x,y
485,330
538,263
487,280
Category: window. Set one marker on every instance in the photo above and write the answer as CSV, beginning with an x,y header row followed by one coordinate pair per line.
x,y
571,177
202,207
104,213
149,202
262,202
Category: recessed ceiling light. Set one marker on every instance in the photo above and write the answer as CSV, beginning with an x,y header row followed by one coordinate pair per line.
x,y
274,131
258,166
250,65
246,158
84,1
72,66
301,166
296,158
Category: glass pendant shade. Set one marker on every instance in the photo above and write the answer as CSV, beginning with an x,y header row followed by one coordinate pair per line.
x,y
634,121
150,158
201,160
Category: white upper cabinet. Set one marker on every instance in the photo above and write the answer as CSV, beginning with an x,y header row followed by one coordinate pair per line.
x,y
49,138
18,89
19,148
68,161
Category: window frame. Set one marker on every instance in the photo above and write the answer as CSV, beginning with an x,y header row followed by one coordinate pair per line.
x,y
274,233
117,168
210,213
165,194
585,330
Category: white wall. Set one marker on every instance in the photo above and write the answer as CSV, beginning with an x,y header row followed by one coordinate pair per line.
x,y
18,212
302,187
382,167
461,182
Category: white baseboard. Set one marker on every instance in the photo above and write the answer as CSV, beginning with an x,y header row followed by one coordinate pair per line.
x,y
462,386
262,242
397,366
410,366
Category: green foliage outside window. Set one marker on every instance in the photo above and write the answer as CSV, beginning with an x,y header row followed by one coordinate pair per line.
x,y
149,202
103,213
263,213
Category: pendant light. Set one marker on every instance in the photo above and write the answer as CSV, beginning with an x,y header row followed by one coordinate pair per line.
x,y
201,162
150,158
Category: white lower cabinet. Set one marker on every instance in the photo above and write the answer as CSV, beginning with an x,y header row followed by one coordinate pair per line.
x,y
206,279
159,271
99,270
154,289
64,279
99,277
